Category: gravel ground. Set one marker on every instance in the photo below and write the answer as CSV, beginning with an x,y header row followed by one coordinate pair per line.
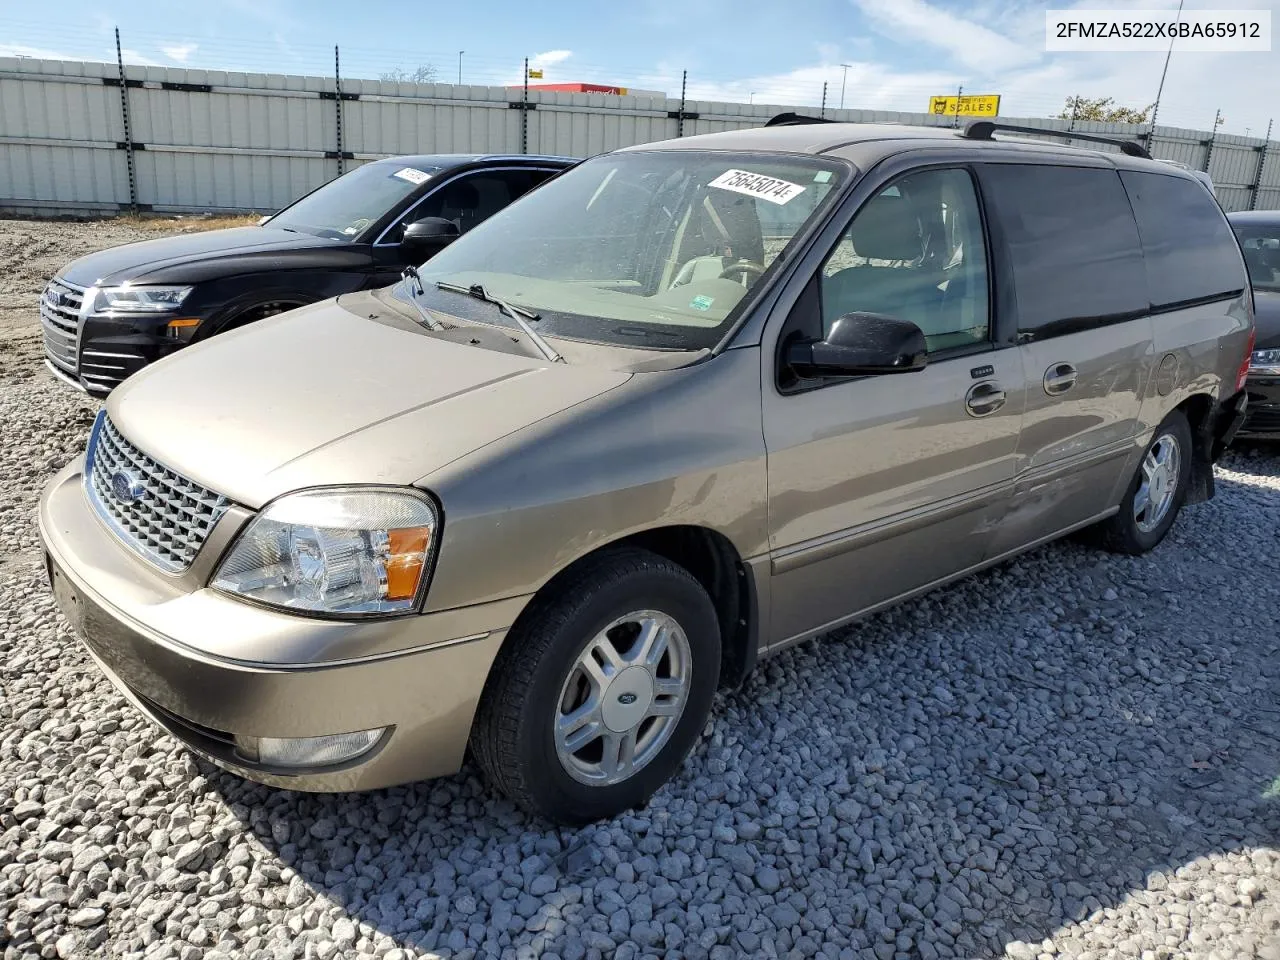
x,y
1073,755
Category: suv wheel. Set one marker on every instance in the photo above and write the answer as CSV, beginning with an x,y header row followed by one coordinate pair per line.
x,y
1156,493
602,689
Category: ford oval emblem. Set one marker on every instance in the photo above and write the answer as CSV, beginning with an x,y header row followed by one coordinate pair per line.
x,y
126,486
626,699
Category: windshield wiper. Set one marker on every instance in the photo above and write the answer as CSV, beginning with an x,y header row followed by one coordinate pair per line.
x,y
517,314
409,276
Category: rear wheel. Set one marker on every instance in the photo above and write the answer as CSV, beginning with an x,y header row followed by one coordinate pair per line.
x,y
1156,492
602,690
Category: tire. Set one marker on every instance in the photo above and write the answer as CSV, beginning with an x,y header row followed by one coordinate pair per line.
x,y
539,678
1129,531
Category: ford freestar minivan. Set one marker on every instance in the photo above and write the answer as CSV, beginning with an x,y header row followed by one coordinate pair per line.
x,y
682,406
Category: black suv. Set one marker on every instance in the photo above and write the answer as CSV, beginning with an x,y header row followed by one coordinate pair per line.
x,y
1259,234
107,315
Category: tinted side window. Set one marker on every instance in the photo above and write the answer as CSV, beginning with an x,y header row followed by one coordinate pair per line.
x,y
1190,251
474,198
1073,244
1261,245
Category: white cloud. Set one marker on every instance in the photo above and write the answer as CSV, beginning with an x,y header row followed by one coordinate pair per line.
x,y
967,42
551,56
542,61
133,56
179,52
38,53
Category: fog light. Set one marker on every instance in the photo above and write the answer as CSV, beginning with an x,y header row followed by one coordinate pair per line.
x,y
316,751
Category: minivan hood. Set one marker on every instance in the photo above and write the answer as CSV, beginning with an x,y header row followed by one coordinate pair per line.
x,y
321,396
133,261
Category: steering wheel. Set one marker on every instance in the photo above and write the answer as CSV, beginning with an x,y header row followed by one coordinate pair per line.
x,y
744,268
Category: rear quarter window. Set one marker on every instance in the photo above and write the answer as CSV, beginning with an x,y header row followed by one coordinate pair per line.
x,y
1072,245
1191,253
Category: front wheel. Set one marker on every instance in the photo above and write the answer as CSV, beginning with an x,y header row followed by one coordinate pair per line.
x,y
1156,492
602,689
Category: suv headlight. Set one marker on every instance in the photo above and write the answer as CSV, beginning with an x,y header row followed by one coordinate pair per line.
x,y
347,552
1265,362
129,299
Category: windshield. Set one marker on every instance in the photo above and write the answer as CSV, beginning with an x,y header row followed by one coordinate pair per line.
x,y
345,207
1261,246
652,249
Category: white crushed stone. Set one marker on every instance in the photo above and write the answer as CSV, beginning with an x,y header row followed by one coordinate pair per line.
x,y
1074,755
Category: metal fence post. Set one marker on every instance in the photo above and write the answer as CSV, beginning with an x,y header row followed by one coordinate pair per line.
x,y
337,105
959,94
128,130
684,79
822,113
681,115
1262,166
1208,147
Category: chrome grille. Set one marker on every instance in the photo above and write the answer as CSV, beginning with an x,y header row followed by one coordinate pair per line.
x,y
106,369
60,322
159,513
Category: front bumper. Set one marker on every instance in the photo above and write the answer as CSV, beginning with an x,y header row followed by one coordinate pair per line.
x,y
110,349
209,669
1263,420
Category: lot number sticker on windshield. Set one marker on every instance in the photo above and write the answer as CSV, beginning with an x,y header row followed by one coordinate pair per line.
x,y
412,175
757,185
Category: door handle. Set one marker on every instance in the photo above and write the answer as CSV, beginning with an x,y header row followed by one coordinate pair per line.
x,y
984,399
1060,378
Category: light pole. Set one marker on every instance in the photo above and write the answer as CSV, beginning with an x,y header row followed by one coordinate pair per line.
x,y
460,53
844,76
751,98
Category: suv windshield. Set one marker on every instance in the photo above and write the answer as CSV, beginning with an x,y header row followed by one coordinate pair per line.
x,y
652,249
345,207
1261,246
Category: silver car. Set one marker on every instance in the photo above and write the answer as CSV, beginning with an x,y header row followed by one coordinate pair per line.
x,y
679,408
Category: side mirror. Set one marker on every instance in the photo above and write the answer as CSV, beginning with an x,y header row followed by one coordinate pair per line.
x,y
429,233
861,344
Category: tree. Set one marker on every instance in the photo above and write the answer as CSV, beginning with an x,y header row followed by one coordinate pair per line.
x,y
1104,108
426,73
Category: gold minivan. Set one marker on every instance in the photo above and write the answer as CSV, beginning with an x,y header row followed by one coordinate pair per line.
x,y
678,408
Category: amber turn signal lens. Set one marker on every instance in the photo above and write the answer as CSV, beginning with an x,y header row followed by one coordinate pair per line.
x,y
184,328
407,556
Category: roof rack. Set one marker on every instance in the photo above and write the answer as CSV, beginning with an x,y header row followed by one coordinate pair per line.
x,y
792,119
983,129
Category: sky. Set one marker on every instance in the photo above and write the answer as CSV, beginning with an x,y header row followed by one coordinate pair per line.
x,y
875,54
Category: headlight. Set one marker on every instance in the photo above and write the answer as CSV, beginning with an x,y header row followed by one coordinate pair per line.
x,y
1265,362
346,552
128,299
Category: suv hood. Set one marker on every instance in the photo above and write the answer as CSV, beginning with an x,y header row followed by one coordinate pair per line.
x,y
137,261
321,395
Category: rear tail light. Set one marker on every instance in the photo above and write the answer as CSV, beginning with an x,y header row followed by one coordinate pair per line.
x,y
1243,373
